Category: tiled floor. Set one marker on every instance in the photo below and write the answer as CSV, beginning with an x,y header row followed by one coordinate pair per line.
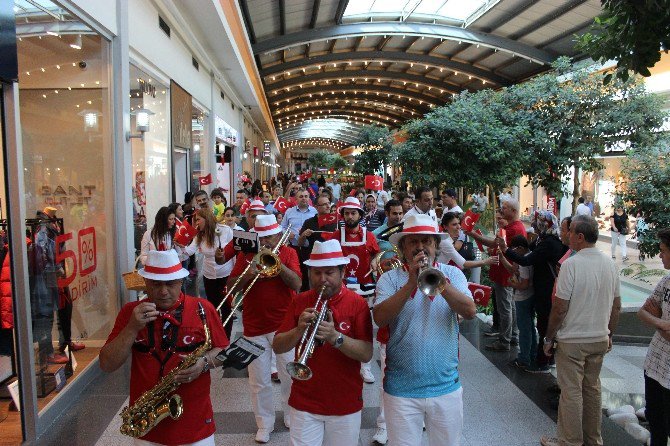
x,y
502,406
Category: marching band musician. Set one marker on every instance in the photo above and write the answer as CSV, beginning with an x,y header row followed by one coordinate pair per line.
x,y
157,333
421,382
264,310
360,245
326,409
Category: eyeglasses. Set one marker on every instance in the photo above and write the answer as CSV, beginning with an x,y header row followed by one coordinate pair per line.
x,y
324,204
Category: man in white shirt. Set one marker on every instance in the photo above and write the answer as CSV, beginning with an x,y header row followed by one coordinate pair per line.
x,y
423,204
582,208
336,188
449,201
582,320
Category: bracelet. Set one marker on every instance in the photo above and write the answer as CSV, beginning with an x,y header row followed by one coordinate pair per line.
x,y
206,366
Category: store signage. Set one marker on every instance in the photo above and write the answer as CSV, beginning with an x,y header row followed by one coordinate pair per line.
x,y
181,104
225,132
80,263
551,204
147,89
67,195
9,67
266,148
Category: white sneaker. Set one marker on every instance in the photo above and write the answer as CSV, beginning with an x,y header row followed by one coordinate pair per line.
x,y
380,436
287,421
367,376
263,435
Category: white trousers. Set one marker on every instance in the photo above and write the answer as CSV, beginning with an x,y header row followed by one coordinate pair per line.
x,y
443,416
381,421
260,384
618,239
209,441
313,430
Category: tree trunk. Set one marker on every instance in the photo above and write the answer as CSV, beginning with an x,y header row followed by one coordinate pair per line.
x,y
575,189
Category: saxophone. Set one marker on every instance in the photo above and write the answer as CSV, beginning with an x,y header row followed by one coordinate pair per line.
x,y
159,402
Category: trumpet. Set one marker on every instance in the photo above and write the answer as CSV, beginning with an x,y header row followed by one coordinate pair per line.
x,y
431,281
299,369
267,265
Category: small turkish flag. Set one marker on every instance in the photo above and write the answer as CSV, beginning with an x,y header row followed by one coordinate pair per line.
x,y
374,182
244,207
308,175
479,244
353,192
282,205
327,219
185,233
480,293
207,179
300,178
469,220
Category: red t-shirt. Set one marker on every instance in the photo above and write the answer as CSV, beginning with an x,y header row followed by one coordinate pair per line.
x,y
336,386
265,305
197,421
498,273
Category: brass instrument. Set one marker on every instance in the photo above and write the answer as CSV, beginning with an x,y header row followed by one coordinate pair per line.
x,y
267,265
159,402
431,281
391,263
299,369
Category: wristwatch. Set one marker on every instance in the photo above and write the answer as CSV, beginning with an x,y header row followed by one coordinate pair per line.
x,y
207,365
548,341
339,341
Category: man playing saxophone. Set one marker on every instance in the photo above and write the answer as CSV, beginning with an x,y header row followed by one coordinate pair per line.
x,y
421,381
264,308
158,333
326,408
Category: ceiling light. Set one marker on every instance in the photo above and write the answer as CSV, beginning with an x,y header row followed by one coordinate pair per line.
x,y
77,42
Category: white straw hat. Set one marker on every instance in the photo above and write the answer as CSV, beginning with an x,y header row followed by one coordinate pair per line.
x,y
266,225
163,266
257,205
417,224
328,253
350,203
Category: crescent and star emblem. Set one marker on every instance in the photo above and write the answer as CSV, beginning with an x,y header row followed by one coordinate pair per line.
x,y
344,326
188,339
351,267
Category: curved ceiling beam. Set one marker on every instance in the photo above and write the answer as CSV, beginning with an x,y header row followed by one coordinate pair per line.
x,y
388,122
331,103
364,75
385,56
446,32
325,110
316,91
346,137
313,125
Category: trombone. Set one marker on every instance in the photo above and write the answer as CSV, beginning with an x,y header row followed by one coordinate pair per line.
x,y
299,369
267,264
431,281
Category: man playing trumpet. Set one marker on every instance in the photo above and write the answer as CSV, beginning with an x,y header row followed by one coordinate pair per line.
x,y
326,408
421,383
264,308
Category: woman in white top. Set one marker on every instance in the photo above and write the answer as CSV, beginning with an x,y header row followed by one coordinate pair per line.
x,y
448,254
159,238
210,241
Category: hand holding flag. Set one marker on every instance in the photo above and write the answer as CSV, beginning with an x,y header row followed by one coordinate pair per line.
x,y
185,233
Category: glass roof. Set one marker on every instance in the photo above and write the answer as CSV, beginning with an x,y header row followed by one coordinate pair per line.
x,y
462,12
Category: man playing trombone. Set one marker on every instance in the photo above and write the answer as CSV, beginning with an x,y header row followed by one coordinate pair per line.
x,y
327,394
263,311
420,304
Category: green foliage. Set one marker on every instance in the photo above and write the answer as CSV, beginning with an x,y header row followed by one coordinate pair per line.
x,y
377,152
571,117
646,188
337,162
319,159
630,32
469,142
639,271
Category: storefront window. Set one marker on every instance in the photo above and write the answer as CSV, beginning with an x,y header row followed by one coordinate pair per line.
x,y
201,151
150,156
65,110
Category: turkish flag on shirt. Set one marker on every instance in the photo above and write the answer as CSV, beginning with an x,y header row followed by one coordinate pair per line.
x,y
282,205
480,293
327,219
469,220
185,233
374,182
207,179
244,207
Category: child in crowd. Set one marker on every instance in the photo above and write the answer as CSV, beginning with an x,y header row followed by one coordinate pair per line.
x,y
231,217
522,283
219,206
